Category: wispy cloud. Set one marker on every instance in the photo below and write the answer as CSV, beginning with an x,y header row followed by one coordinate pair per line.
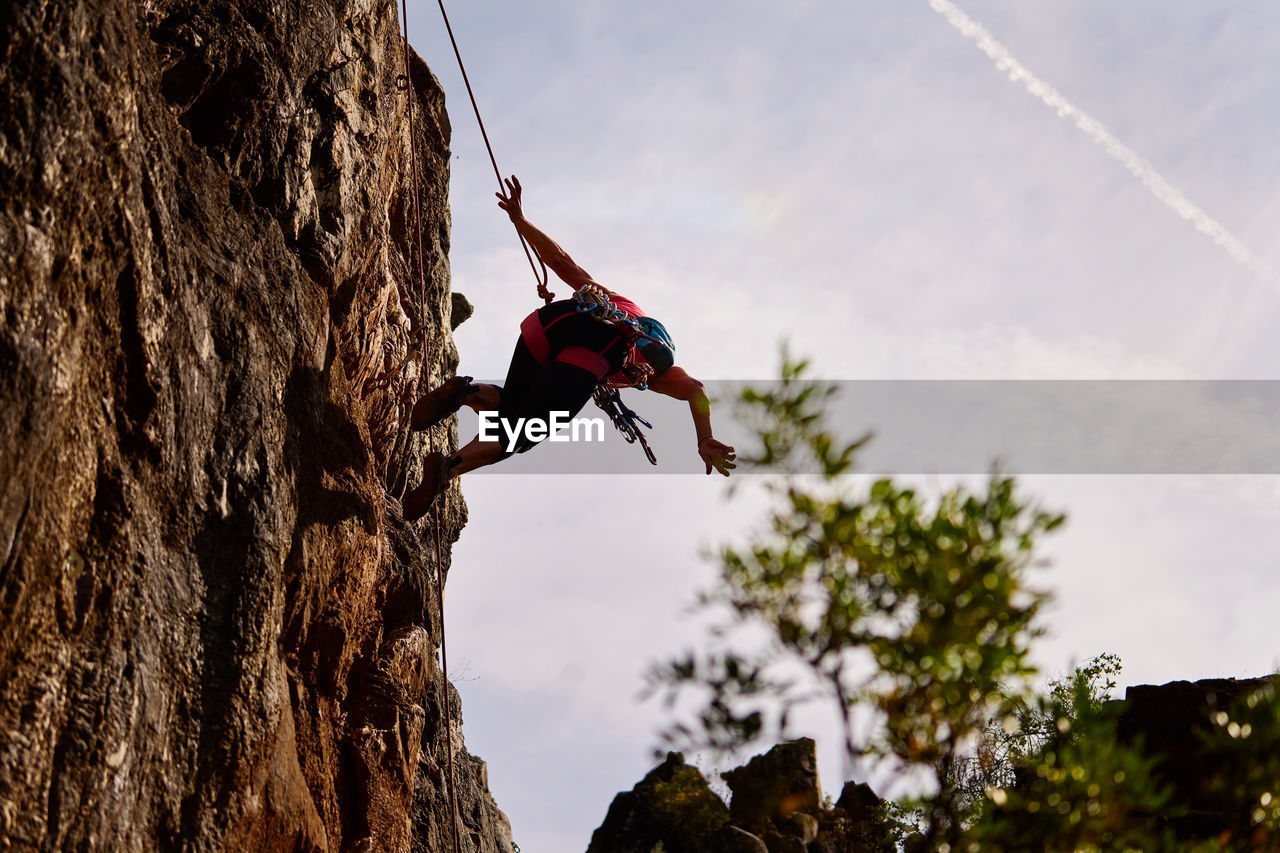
x,y
1137,165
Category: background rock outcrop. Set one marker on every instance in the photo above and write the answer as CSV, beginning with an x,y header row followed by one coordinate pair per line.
x,y
775,806
672,805
218,632
1174,722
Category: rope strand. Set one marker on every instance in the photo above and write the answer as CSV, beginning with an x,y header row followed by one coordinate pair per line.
x,y
546,295
426,367
540,277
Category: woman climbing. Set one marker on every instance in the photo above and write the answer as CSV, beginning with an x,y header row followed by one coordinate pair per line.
x,y
562,355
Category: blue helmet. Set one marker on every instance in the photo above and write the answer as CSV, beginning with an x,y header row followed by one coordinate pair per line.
x,y
655,344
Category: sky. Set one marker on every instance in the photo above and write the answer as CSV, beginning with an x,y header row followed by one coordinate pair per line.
x,y
862,180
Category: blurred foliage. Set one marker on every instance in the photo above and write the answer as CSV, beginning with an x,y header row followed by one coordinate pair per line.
x,y
1042,724
1072,785
1243,745
1064,781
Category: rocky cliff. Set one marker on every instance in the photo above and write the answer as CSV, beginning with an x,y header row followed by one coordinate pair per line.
x,y
217,631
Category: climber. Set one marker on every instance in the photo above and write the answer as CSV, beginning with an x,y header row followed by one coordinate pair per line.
x,y
562,355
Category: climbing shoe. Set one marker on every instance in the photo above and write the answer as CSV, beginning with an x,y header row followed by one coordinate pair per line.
x,y
435,478
442,402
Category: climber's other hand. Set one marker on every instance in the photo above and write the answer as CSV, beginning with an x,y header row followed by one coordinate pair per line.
x,y
717,455
510,200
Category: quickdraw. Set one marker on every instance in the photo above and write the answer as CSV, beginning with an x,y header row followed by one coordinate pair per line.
x,y
592,299
625,420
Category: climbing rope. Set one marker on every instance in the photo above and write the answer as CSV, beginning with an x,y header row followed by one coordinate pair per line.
x,y
403,84
546,294
445,703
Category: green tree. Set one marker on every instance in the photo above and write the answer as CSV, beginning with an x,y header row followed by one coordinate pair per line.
x,y
1048,720
917,615
1064,780
1244,746
915,610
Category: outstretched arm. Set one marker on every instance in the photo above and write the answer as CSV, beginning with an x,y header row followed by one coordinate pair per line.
x,y
556,258
676,382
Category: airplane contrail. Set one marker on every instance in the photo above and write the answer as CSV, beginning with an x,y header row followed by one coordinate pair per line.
x,y
1137,165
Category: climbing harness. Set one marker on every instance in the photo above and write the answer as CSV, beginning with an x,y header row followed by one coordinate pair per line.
x,y
646,334
594,301
529,253
445,703
653,342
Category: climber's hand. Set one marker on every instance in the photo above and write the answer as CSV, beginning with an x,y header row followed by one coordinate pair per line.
x,y
510,201
717,455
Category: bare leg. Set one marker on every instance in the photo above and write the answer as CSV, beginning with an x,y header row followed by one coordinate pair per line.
x,y
484,398
441,469
476,454
447,398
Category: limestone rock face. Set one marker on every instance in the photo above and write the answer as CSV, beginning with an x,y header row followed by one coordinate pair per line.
x,y
217,631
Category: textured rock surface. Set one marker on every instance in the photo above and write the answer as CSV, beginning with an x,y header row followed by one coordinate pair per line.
x,y
773,786
217,631
776,806
732,839
672,806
